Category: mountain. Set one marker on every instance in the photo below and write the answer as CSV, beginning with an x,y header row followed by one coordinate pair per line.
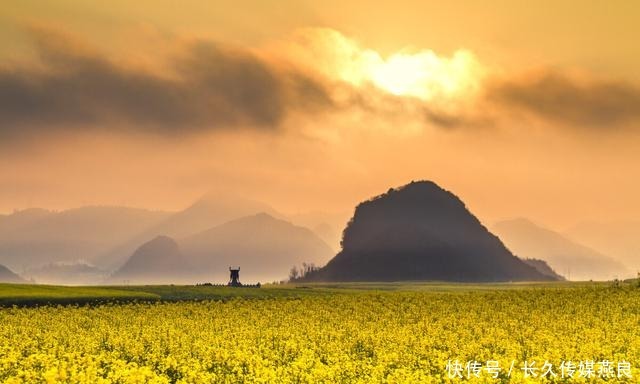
x,y
211,210
263,246
155,262
574,260
37,237
328,226
619,239
21,218
421,232
543,268
66,273
7,276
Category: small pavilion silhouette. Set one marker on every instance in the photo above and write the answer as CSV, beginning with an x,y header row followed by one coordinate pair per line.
x,y
234,278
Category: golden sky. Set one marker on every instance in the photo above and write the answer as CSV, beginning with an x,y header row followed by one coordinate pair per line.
x,y
521,108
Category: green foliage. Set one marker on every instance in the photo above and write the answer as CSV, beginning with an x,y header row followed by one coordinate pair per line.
x,y
28,295
31,295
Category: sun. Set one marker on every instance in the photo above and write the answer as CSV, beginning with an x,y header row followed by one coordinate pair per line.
x,y
425,75
420,74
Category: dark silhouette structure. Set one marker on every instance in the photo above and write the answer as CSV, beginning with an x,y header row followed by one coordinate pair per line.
x,y
234,278
234,281
421,232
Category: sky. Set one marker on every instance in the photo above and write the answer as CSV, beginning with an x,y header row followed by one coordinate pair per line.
x,y
522,109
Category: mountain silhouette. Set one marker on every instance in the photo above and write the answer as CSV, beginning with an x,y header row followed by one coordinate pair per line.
x,y
576,261
66,273
263,246
543,268
421,232
619,239
327,225
7,276
155,262
21,218
36,237
209,211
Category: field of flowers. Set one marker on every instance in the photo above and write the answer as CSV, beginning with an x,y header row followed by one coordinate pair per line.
x,y
348,337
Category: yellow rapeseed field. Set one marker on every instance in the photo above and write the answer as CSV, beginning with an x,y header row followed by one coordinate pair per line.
x,y
361,337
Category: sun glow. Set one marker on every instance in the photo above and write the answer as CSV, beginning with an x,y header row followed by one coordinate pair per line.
x,y
425,75
419,74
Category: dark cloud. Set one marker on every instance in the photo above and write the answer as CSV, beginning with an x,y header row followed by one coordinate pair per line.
x,y
557,97
211,87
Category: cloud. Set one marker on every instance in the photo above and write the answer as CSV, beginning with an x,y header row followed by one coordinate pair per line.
x,y
443,83
459,91
209,87
557,97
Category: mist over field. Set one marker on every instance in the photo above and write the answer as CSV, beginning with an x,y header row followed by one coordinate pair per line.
x,y
119,245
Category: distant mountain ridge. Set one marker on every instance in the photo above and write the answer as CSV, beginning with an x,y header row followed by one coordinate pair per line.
x,y
209,211
19,218
37,237
266,247
8,276
575,261
619,239
52,247
153,262
263,246
66,273
543,268
421,232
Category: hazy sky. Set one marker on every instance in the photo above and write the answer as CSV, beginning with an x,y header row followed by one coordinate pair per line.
x,y
520,108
